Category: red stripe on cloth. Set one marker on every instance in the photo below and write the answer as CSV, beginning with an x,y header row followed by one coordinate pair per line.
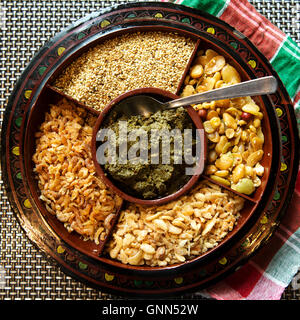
x,y
244,279
266,289
222,291
296,99
243,16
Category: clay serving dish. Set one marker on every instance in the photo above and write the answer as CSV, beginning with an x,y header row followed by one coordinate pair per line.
x,y
86,261
163,96
49,94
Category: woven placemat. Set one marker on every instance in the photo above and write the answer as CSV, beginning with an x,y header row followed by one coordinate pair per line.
x,y
25,273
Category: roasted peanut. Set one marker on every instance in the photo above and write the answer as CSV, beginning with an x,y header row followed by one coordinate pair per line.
x,y
256,143
257,123
226,147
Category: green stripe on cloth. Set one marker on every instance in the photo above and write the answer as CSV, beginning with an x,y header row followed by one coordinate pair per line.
x,y
213,7
284,264
287,64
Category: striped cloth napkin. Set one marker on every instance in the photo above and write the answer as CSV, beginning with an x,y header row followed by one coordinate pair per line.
x,y
266,275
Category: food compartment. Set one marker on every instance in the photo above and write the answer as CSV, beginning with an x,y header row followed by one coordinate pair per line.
x,y
181,231
124,62
237,130
61,175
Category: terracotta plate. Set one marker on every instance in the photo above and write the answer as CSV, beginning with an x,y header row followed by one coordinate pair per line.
x,y
263,210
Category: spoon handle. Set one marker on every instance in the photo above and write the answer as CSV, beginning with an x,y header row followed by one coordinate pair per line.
x,y
260,86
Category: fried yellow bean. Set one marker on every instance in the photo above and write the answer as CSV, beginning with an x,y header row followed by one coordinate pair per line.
x,y
245,186
222,173
212,156
224,162
256,143
214,65
220,145
230,75
208,127
229,121
215,122
211,114
220,180
238,173
210,169
196,71
254,158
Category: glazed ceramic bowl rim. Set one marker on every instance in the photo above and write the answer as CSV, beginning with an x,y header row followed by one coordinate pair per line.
x,y
101,172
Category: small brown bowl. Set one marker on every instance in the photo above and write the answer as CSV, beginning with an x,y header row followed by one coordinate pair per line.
x,y
161,95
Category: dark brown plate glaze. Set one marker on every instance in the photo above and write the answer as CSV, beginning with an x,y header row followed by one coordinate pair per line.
x,y
32,94
163,96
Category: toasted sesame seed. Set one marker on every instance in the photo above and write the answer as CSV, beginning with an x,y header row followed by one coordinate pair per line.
x,y
126,62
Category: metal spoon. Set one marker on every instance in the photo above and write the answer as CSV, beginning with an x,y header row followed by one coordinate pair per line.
x,y
145,105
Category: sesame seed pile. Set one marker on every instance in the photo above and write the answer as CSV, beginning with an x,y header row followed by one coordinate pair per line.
x,y
126,62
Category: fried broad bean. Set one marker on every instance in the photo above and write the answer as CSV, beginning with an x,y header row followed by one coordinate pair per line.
x,y
254,158
208,127
196,71
224,162
220,180
238,173
222,173
213,137
212,114
212,156
221,144
245,186
210,169
229,133
215,122
188,91
230,75
214,65
229,121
